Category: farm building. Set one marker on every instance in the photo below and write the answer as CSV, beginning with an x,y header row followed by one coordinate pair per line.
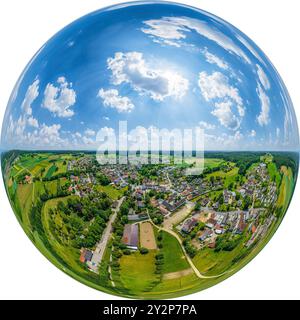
x,y
85,255
131,236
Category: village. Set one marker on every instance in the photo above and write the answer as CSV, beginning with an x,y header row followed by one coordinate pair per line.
x,y
161,193
146,225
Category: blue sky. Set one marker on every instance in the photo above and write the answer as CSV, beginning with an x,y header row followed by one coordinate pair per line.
x,y
154,65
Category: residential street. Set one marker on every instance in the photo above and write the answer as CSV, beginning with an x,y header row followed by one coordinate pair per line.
x,y
101,245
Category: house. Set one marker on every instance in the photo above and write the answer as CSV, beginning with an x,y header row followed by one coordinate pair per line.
x,y
210,223
188,225
228,196
218,229
85,255
131,236
163,210
206,234
114,204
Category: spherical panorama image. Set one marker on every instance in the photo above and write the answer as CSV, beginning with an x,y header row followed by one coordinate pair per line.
x,y
150,150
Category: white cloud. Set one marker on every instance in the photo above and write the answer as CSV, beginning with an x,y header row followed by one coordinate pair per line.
x,y
77,135
226,97
213,59
249,47
223,111
87,140
206,125
112,99
106,118
252,133
59,99
263,118
176,29
42,137
131,68
216,86
49,135
33,122
263,77
90,132
31,94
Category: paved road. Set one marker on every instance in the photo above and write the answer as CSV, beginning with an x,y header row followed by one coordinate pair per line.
x,y
101,245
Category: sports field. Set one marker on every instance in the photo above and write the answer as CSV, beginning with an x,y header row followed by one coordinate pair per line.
x,y
147,238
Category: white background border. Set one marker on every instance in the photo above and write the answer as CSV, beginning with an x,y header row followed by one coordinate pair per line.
x,y
26,25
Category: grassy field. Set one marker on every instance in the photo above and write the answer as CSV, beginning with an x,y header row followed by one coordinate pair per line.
x,y
286,188
274,174
173,286
212,162
212,263
24,198
173,254
51,171
228,176
137,271
111,191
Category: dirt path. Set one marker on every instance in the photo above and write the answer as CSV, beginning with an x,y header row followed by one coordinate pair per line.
x,y
191,263
177,274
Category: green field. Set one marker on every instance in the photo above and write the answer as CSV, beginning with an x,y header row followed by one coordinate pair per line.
x,y
229,176
137,272
111,191
24,200
173,255
286,188
212,163
51,171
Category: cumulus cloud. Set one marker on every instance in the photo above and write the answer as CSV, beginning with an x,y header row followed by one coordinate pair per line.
x,y
264,117
177,28
216,86
59,98
131,68
213,59
42,136
112,99
31,94
228,104
49,135
223,111
264,80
